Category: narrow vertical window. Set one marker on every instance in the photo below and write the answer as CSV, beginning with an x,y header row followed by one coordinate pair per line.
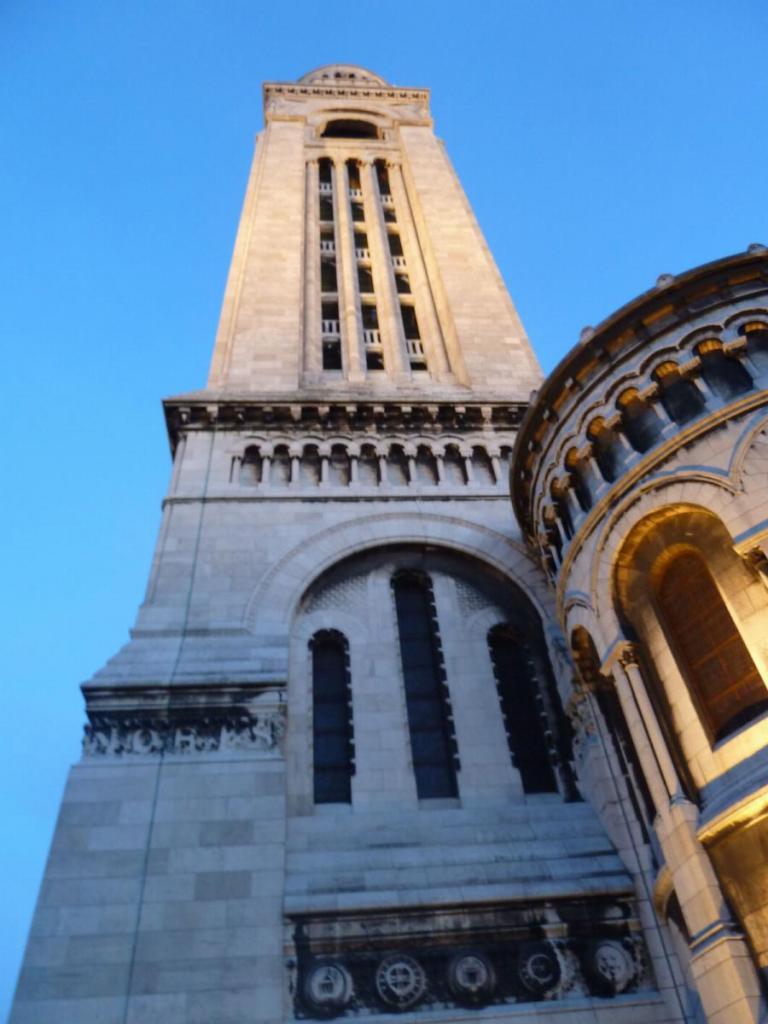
x,y
715,662
333,742
374,353
413,342
251,466
433,744
329,286
518,689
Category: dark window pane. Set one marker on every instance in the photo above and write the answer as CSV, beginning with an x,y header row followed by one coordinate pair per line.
x,y
328,276
333,745
331,355
432,742
518,690
681,398
725,375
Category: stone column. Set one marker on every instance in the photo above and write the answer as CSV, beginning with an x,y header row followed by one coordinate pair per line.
x,y
592,472
466,454
313,356
720,960
432,336
573,504
346,275
387,302
266,465
551,518
295,466
629,669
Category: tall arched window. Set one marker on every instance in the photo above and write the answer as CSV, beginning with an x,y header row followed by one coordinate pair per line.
x,y
715,662
333,743
251,466
433,745
521,707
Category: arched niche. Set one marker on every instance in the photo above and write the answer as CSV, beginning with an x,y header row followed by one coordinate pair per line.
x,y
350,128
699,612
480,626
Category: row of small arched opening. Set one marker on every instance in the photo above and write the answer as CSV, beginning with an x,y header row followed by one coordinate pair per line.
x,y
371,465
640,419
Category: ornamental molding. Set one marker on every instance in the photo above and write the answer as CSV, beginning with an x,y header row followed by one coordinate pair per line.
x,y
361,91
582,718
190,413
184,721
352,965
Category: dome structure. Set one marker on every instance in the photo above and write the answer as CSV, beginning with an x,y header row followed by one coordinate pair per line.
x,y
348,74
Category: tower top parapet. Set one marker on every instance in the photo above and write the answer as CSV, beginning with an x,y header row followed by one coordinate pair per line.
x,y
350,81
347,74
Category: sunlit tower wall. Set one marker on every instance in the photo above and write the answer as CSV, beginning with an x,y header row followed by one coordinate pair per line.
x,y
641,479
330,775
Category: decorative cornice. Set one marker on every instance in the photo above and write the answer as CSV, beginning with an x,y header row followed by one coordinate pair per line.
x,y
193,412
351,90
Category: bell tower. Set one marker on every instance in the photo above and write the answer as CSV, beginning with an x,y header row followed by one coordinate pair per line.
x,y
359,267
330,774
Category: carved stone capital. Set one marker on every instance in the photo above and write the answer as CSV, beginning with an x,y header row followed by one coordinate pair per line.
x,y
757,560
629,656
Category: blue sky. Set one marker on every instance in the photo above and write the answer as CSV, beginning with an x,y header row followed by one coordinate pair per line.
x,y
600,143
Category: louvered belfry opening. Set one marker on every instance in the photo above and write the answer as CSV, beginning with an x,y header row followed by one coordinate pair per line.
x,y
433,745
333,743
715,661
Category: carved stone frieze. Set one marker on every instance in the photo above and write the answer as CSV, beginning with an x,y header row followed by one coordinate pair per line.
x,y
425,960
188,721
582,719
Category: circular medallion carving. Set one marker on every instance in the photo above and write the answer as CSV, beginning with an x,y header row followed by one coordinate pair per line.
x,y
400,981
610,966
471,977
538,968
328,988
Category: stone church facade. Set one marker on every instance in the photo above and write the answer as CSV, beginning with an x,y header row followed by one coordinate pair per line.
x,y
372,749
